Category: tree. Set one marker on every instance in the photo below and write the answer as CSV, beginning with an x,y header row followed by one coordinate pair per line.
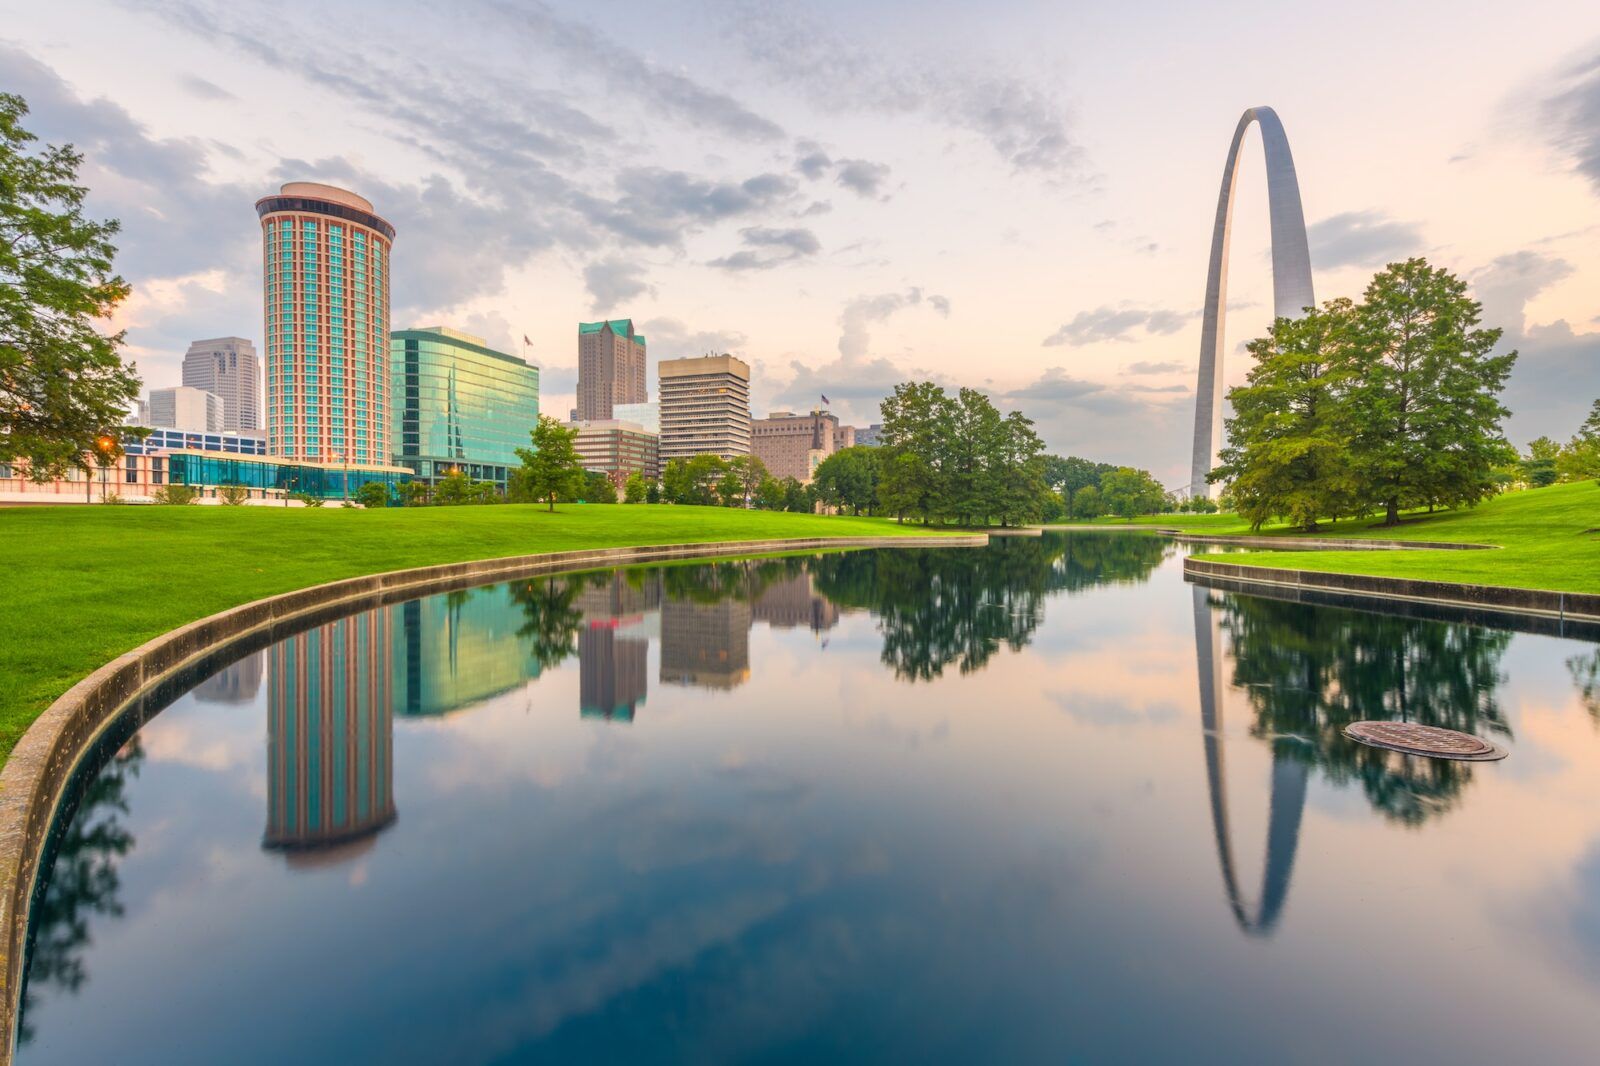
x,y
1017,489
653,493
175,495
1423,396
1068,476
1287,453
749,470
971,447
694,480
1127,492
413,493
917,426
598,488
1580,459
1538,468
849,478
635,490
232,495
62,382
730,488
1086,503
798,498
372,495
453,489
770,494
550,469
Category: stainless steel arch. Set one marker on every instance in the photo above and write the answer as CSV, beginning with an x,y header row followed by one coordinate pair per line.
x,y
1288,796
1291,276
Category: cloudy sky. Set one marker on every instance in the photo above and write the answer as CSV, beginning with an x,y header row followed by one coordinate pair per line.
x,y
1016,195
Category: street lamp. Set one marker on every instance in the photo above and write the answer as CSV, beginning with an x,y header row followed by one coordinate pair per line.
x,y
344,477
105,446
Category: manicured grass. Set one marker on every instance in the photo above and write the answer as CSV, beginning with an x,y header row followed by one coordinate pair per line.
x,y
1548,538
83,584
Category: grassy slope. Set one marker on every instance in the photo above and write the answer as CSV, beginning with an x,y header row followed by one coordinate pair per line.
x,y
1548,537
82,584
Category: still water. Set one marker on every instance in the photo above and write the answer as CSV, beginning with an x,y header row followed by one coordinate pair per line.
x,y
1039,802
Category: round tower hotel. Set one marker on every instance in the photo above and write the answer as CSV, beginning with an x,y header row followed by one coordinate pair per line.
x,y
326,264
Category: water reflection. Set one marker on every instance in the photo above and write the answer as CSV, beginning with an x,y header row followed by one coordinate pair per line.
x,y
815,816
330,739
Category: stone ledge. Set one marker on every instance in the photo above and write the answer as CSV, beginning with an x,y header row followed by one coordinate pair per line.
x,y
34,779
1575,607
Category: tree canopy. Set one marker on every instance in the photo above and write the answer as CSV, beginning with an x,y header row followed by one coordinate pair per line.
x,y
550,470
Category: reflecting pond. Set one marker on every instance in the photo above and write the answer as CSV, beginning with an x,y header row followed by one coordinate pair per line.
x,y
1038,802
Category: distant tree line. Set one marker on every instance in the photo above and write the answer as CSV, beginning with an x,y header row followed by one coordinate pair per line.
x,y
1389,404
1546,462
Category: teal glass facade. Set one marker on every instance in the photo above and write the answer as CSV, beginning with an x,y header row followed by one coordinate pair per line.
x,y
459,405
329,482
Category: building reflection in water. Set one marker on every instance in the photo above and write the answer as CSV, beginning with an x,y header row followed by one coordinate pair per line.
x,y
614,644
330,739
705,626
794,601
458,649
237,683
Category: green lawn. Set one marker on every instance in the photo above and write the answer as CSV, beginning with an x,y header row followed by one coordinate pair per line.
x,y
1549,539
84,584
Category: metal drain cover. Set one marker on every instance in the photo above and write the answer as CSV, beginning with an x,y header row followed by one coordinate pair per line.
x,y
1425,740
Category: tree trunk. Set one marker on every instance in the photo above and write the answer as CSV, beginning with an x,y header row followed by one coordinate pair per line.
x,y
1392,513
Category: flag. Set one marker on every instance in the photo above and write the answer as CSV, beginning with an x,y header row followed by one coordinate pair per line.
x,y
525,339
825,400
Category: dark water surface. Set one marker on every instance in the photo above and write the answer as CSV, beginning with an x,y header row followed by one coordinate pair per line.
x,y
1041,802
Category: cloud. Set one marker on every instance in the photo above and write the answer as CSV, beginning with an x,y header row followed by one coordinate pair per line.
x,y
1509,282
1076,416
862,177
201,89
670,338
1572,117
1107,323
614,279
656,205
1021,122
1146,367
1361,238
766,248
812,161
863,311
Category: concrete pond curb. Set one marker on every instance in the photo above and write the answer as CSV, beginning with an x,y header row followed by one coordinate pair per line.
x,y
34,781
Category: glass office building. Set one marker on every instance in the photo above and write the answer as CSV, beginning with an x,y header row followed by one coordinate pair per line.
x,y
459,405
330,481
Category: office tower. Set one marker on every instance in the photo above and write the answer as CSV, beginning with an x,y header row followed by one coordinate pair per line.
x,y
705,407
705,645
457,650
230,368
792,445
618,449
647,415
186,409
459,405
795,602
326,262
330,737
611,368
869,436
238,683
844,437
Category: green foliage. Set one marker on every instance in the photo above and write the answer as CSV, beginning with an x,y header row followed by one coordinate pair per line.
x,y
1086,503
636,489
1288,452
694,480
1126,492
306,498
175,495
653,493
456,489
62,382
413,493
233,495
598,488
1390,403
798,498
373,494
849,479
1580,458
550,469
770,494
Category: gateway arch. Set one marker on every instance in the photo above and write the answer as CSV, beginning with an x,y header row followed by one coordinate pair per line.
x,y
1291,276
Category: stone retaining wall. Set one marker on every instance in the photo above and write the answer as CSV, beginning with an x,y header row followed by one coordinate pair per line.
x,y
34,779
1562,606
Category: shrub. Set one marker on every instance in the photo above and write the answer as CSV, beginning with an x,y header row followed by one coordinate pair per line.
x,y
373,494
233,495
307,499
175,495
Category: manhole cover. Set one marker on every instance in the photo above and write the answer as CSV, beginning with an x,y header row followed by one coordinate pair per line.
x,y
1426,740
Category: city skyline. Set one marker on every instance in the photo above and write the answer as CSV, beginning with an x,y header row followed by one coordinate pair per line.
x,y
838,246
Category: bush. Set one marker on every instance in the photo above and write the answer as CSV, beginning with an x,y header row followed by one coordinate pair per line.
x,y
373,494
233,495
113,500
175,495
307,499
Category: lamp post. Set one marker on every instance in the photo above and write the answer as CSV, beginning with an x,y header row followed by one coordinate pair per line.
x,y
105,447
344,478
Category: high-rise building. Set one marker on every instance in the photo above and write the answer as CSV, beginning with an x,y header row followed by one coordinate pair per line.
x,y
705,645
188,409
791,445
450,652
705,407
459,405
869,436
326,260
611,368
647,415
618,449
330,738
230,368
844,437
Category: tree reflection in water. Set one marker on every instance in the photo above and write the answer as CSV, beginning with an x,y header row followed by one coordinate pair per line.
x,y
550,620
1585,671
79,880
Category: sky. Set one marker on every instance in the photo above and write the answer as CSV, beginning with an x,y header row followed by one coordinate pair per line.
x,y
1017,196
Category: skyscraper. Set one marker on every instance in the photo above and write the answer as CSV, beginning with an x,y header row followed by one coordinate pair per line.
x,y
189,409
611,368
228,367
705,407
326,261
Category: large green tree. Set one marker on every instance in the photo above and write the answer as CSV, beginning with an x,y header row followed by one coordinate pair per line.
x,y
849,478
1287,453
550,470
1126,492
1424,392
1580,458
917,426
62,381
